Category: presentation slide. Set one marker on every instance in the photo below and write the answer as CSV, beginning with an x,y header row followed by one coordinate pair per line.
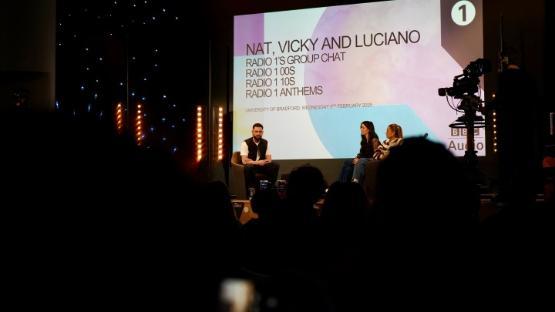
x,y
311,76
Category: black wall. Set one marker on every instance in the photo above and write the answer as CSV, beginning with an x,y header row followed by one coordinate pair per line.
x,y
27,56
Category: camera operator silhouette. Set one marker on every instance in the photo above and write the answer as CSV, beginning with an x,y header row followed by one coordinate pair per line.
x,y
517,142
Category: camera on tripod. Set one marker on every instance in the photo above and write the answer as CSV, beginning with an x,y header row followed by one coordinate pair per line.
x,y
467,82
464,88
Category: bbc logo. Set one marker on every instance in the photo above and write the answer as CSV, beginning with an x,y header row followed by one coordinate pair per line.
x,y
462,131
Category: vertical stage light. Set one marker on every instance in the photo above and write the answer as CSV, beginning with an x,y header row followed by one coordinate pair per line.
x,y
119,118
199,136
220,133
494,125
494,115
139,134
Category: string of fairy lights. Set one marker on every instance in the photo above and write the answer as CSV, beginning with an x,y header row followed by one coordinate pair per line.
x,y
119,118
106,69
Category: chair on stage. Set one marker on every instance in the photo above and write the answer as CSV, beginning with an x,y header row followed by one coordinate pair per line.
x,y
369,181
237,181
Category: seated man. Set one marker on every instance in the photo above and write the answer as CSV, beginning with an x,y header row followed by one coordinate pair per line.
x,y
257,158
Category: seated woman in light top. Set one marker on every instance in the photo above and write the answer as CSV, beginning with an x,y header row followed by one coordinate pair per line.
x,y
394,134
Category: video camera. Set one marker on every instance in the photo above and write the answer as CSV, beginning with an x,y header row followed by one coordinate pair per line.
x,y
464,88
467,83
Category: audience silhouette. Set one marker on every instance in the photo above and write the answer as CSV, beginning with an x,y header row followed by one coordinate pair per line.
x,y
423,188
89,216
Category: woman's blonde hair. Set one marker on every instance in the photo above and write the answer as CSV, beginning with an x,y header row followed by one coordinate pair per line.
x,y
397,130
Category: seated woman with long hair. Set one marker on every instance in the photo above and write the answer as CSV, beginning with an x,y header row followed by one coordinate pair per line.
x,y
368,145
394,134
